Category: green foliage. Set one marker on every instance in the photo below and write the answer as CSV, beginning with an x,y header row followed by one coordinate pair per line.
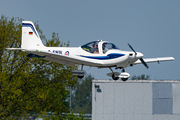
x,y
140,77
69,116
30,85
82,98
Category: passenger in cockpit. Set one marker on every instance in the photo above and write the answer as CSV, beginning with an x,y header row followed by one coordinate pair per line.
x,y
104,48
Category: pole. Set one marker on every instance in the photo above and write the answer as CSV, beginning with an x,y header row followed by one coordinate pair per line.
x,y
70,99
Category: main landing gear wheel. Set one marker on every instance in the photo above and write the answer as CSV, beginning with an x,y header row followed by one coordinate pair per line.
x,y
79,73
113,75
80,76
114,78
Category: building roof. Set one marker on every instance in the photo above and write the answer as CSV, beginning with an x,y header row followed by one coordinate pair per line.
x,y
132,81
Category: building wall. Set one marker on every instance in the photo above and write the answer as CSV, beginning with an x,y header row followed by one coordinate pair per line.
x,y
135,100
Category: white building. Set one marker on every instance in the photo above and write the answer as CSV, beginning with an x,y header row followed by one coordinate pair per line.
x,y
135,100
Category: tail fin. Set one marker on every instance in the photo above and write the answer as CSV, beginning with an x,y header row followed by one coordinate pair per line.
x,y
30,37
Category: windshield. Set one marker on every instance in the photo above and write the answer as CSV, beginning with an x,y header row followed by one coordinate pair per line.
x,y
108,46
91,47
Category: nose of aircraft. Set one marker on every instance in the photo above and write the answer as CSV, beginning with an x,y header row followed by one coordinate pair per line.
x,y
139,55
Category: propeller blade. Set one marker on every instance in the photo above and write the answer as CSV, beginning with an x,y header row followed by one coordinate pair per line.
x,y
143,62
132,48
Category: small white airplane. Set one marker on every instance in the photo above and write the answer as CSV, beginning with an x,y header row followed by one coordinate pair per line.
x,y
101,54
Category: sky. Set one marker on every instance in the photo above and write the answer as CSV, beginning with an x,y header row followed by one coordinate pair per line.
x,y
152,27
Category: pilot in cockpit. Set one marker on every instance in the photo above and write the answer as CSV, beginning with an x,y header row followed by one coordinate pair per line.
x,y
95,48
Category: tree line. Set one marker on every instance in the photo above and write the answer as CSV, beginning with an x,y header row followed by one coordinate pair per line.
x,y
31,85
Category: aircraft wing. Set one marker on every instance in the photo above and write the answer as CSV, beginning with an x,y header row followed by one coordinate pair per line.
x,y
150,60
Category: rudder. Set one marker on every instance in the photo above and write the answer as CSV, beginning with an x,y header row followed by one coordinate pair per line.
x,y
30,36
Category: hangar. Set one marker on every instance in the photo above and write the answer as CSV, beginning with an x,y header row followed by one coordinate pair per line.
x,y
136,100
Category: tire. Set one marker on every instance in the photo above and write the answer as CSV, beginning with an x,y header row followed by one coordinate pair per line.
x,y
124,79
114,78
80,77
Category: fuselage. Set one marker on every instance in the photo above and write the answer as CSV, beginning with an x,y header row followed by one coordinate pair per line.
x,y
81,56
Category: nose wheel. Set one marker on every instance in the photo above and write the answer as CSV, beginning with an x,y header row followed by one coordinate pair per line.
x,y
124,79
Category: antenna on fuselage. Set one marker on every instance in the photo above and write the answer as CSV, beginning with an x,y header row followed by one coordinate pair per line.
x,y
100,40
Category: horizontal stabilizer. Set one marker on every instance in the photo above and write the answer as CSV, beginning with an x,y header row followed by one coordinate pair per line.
x,y
15,48
23,49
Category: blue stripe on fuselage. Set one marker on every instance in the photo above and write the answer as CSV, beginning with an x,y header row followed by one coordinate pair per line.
x,y
109,56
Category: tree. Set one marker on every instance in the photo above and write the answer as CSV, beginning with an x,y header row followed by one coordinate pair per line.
x,y
30,85
140,77
82,97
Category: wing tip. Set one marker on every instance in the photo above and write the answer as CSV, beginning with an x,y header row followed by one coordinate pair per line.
x,y
171,58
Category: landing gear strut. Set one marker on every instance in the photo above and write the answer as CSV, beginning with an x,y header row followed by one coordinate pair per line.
x,y
124,79
81,76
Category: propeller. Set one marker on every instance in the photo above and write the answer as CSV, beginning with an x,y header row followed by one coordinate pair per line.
x,y
143,62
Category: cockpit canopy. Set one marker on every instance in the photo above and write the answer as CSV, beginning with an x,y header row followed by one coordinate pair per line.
x,y
94,47
108,46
